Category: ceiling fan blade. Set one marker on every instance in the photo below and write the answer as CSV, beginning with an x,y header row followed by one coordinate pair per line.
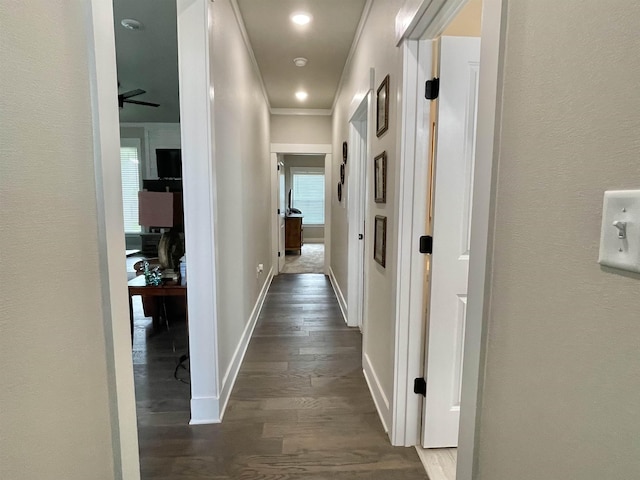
x,y
132,93
137,102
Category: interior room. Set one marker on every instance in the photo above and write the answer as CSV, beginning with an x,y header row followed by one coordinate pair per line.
x,y
304,187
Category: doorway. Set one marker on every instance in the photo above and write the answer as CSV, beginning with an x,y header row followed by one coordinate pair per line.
x,y
301,175
302,186
424,27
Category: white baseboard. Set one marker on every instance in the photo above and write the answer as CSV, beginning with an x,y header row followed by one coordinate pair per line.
x,y
231,374
206,410
336,289
379,398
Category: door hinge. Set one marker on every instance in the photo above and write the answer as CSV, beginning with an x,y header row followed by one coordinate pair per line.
x,y
278,211
426,244
420,386
432,88
278,167
279,254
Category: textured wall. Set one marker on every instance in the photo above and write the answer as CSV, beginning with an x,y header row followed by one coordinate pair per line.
x,y
562,383
301,129
54,411
244,181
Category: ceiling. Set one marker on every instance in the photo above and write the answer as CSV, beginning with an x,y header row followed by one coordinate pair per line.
x,y
148,58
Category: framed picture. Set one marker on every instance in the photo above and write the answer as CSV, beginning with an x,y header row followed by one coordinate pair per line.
x,y
380,240
380,178
342,174
382,107
339,192
345,149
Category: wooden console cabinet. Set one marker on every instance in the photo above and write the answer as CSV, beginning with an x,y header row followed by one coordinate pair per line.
x,y
293,233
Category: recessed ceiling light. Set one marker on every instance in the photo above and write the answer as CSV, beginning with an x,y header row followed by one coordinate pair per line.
x,y
301,18
131,24
300,61
301,95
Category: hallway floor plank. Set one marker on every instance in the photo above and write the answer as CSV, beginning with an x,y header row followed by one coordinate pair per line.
x,y
300,408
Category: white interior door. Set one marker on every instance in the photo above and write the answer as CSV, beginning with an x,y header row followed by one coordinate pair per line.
x,y
282,209
457,106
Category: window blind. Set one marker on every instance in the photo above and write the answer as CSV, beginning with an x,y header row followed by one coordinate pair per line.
x,y
308,195
130,169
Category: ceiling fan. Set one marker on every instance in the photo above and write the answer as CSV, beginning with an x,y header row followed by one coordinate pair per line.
x,y
125,98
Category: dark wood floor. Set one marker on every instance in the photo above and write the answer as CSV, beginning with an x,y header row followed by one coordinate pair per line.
x,y
300,408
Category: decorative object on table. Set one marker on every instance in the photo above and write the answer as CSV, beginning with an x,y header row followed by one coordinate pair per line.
x,y
380,240
342,174
382,107
345,152
152,276
163,210
380,178
339,192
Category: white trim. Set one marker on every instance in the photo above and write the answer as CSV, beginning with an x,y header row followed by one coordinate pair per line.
x,y
357,193
197,140
302,111
278,149
377,392
111,245
275,224
488,132
356,39
247,43
301,148
231,374
413,177
425,19
205,410
338,291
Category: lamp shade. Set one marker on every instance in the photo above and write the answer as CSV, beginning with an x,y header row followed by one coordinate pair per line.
x,y
160,209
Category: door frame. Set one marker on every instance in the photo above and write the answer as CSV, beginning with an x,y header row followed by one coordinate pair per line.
x,y
420,21
359,148
279,149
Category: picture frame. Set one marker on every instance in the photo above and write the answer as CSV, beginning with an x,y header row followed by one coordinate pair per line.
x,y
382,107
339,192
380,240
345,152
342,173
380,178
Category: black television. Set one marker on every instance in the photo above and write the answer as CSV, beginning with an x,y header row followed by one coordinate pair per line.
x,y
169,162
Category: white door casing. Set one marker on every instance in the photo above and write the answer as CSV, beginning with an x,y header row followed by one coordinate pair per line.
x,y
356,194
453,193
282,206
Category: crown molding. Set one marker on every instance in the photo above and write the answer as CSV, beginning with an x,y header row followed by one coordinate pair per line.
x,y
302,111
354,45
245,37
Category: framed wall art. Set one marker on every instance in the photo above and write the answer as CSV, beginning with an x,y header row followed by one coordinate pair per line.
x,y
380,178
345,152
339,192
342,174
380,240
382,107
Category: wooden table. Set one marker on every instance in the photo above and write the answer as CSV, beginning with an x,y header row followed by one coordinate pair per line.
x,y
137,286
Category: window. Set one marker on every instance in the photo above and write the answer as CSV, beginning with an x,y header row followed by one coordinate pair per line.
x,y
130,169
308,194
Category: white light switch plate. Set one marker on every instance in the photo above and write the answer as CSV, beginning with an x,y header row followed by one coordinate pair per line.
x,y
622,206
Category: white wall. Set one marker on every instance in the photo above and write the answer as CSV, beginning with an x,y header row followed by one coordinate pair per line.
x,y
561,384
376,49
242,155
54,414
301,129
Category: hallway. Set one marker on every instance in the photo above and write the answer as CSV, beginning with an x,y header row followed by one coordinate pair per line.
x,y
300,407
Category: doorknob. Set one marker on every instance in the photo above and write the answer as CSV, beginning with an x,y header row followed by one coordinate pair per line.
x,y
360,236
